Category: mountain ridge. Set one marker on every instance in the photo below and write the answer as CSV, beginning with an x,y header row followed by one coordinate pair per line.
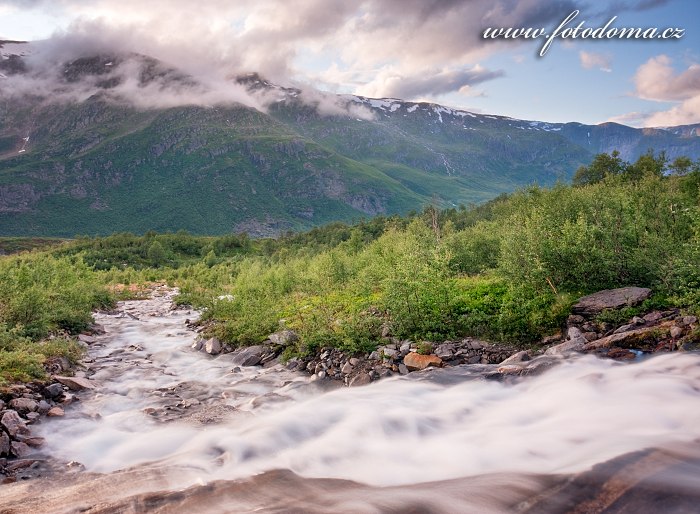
x,y
84,157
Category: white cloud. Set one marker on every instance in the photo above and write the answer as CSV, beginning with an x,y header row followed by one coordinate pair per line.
x,y
656,80
592,60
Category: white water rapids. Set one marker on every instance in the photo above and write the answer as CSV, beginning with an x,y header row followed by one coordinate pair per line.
x,y
162,404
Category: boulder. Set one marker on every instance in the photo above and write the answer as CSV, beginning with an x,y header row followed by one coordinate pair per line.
x,y
610,299
84,338
19,449
633,339
13,424
283,337
53,391
4,444
360,380
76,383
248,356
676,332
403,369
24,405
569,346
516,358
197,345
212,346
55,412
415,361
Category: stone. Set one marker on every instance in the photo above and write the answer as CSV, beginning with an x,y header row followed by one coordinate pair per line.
x,y
23,405
405,347
4,444
2,405
510,369
386,330
516,358
389,352
595,303
690,320
624,328
637,320
248,356
44,407
634,339
212,346
34,442
575,319
676,332
197,345
19,449
569,346
653,317
55,412
283,337
84,338
13,424
32,416
403,370
321,374
347,368
414,361
354,361
360,380
445,351
76,383
53,390
474,359
591,336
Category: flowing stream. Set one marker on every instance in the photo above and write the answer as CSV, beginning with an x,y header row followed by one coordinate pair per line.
x,y
176,418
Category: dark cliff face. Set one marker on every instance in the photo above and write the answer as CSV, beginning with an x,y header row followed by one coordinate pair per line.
x,y
94,163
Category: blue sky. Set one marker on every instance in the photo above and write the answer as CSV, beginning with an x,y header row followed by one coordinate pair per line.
x,y
412,49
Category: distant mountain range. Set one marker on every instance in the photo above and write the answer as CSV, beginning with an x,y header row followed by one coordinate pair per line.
x,y
110,142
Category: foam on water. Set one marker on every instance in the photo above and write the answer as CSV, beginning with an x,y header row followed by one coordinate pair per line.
x,y
397,431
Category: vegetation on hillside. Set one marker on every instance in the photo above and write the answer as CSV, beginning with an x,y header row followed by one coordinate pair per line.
x,y
507,270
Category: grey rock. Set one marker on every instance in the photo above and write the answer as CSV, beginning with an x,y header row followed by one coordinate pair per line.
x,y
360,380
347,368
321,374
4,444
374,356
248,356
610,299
19,449
2,405
212,346
624,328
76,383
32,417
573,345
474,359
653,316
44,407
403,369
476,345
690,320
53,390
354,361
637,320
283,337
197,345
13,424
390,352
676,332
573,333
405,347
83,338
23,405
517,358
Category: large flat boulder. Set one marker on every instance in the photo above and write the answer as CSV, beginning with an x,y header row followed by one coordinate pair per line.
x,y
415,361
610,299
640,339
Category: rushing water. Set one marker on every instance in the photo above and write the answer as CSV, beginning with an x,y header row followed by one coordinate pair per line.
x,y
162,404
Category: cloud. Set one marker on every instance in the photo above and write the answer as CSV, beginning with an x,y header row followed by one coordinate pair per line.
x,y
656,80
430,83
591,60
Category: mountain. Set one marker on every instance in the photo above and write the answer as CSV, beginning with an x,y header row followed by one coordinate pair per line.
x,y
122,142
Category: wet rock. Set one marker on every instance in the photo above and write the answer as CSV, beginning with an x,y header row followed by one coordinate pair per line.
x,y
44,407
53,390
634,339
403,369
19,449
415,361
32,417
197,345
284,337
23,405
570,346
4,444
76,383
360,380
516,358
55,412
13,424
248,356
595,303
212,346
34,442
84,338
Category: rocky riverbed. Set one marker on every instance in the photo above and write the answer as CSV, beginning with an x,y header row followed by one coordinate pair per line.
x,y
155,421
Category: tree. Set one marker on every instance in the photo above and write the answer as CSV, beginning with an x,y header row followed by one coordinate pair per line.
x,y
602,166
647,164
156,253
682,166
